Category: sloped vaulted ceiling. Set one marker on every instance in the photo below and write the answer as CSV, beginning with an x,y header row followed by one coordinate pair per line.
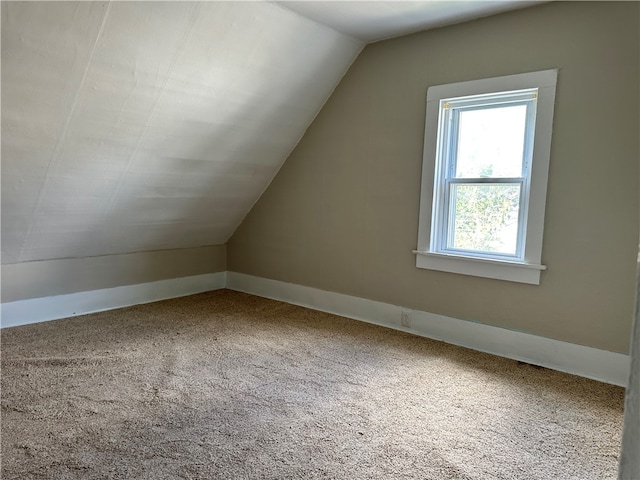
x,y
131,126
135,126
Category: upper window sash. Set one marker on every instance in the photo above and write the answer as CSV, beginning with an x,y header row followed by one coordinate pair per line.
x,y
449,123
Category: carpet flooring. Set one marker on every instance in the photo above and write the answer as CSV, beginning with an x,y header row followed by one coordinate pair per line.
x,y
225,385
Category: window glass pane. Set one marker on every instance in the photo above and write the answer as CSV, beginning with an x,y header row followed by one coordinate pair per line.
x,y
491,142
484,217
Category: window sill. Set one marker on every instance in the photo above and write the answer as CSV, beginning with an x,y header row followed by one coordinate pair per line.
x,y
480,267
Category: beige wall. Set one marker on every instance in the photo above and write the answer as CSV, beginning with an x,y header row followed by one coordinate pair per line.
x,y
342,213
70,275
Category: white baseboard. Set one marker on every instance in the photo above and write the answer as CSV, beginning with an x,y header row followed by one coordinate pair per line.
x,y
23,312
609,367
602,365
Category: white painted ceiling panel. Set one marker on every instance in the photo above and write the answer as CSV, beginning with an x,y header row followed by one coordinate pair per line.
x,y
377,20
133,126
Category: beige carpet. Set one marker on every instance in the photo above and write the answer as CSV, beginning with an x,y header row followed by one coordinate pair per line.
x,y
225,385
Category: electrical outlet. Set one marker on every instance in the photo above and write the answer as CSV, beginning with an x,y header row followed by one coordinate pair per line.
x,y
405,318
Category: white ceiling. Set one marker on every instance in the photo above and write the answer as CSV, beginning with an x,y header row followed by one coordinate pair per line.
x,y
371,21
133,126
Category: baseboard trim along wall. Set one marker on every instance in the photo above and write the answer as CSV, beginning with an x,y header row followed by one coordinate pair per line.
x,y
609,367
34,310
602,365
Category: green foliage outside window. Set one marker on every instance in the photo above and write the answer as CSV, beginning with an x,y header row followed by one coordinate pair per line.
x,y
486,217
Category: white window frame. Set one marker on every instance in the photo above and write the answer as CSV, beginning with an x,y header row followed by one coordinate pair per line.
x,y
432,252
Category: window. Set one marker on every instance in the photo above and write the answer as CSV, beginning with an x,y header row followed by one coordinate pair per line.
x,y
484,178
